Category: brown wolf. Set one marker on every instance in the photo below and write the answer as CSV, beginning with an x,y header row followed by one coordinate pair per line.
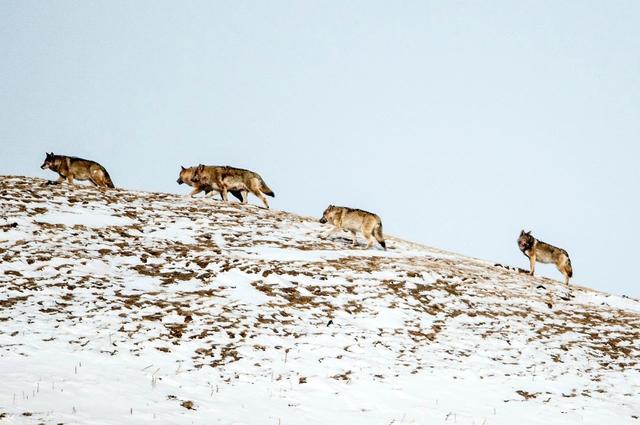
x,y
185,177
542,252
70,168
354,220
228,179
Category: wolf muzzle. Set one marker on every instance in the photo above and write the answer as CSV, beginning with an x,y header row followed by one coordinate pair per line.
x,y
179,181
323,220
43,166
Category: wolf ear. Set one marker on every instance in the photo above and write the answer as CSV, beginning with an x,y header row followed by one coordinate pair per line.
x,y
521,232
182,168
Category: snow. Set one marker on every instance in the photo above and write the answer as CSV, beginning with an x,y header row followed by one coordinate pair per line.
x,y
83,217
122,307
241,289
179,232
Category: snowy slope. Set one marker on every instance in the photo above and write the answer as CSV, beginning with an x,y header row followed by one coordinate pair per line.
x,y
126,307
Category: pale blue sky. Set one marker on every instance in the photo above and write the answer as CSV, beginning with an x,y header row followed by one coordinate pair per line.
x,y
459,122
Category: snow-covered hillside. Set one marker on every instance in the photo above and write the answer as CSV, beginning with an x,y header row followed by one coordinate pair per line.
x,y
124,307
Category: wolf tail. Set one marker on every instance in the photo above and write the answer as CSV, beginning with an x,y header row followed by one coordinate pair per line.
x,y
265,189
569,268
377,233
107,179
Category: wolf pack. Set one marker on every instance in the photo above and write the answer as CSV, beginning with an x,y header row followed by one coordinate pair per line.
x,y
223,180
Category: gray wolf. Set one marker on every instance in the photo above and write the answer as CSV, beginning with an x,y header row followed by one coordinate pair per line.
x,y
228,179
185,177
70,168
354,220
542,252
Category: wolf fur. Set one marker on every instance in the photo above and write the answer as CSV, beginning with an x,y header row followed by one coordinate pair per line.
x,y
185,177
541,252
229,179
354,220
72,168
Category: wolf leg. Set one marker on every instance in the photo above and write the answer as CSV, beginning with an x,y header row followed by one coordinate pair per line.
x,y
195,191
370,240
262,198
96,177
564,268
212,194
244,194
330,233
532,264
95,181
58,181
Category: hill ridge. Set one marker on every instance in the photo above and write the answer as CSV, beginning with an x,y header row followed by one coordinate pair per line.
x,y
226,300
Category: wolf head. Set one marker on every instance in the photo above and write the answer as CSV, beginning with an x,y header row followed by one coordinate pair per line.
x,y
185,175
525,241
327,215
49,161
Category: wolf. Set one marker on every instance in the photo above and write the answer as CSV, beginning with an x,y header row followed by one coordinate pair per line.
x,y
185,177
228,179
354,220
542,252
70,168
